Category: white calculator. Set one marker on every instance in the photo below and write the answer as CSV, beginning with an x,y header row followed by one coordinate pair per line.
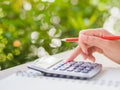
x,y
54,67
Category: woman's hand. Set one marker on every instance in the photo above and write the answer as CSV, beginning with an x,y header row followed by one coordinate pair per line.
x,y
90,42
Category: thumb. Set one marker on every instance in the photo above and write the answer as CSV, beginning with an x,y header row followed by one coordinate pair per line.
x,y
93,41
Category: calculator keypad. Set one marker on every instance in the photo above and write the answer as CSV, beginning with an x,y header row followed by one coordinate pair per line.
x,y
83,67
73,69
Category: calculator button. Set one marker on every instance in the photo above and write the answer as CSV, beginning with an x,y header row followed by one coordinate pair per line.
x,y
76,65
89,68
73,67
56,67
85,65
79,69
88,63
70,69
65,66
84,71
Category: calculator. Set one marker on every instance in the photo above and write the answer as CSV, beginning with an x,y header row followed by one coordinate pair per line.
x,y
54,67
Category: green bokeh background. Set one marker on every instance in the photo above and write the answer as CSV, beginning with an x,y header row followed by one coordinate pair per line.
x,y
20,18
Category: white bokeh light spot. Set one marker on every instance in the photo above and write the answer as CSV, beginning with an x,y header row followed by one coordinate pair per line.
x,y
27,6
55,43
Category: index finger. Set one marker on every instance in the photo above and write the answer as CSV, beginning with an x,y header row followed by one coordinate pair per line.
x,y
74,54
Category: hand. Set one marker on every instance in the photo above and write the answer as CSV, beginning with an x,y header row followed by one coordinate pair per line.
x,y
89,42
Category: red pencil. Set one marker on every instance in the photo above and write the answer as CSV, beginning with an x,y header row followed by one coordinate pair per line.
x,y
75,39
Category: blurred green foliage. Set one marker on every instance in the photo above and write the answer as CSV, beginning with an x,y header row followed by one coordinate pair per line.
x,y
27,26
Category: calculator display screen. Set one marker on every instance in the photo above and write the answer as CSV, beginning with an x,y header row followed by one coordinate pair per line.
x,y
46,62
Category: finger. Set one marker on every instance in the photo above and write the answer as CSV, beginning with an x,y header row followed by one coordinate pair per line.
x,y
91,57
94,41
84,55
91,50
82,45
75,53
